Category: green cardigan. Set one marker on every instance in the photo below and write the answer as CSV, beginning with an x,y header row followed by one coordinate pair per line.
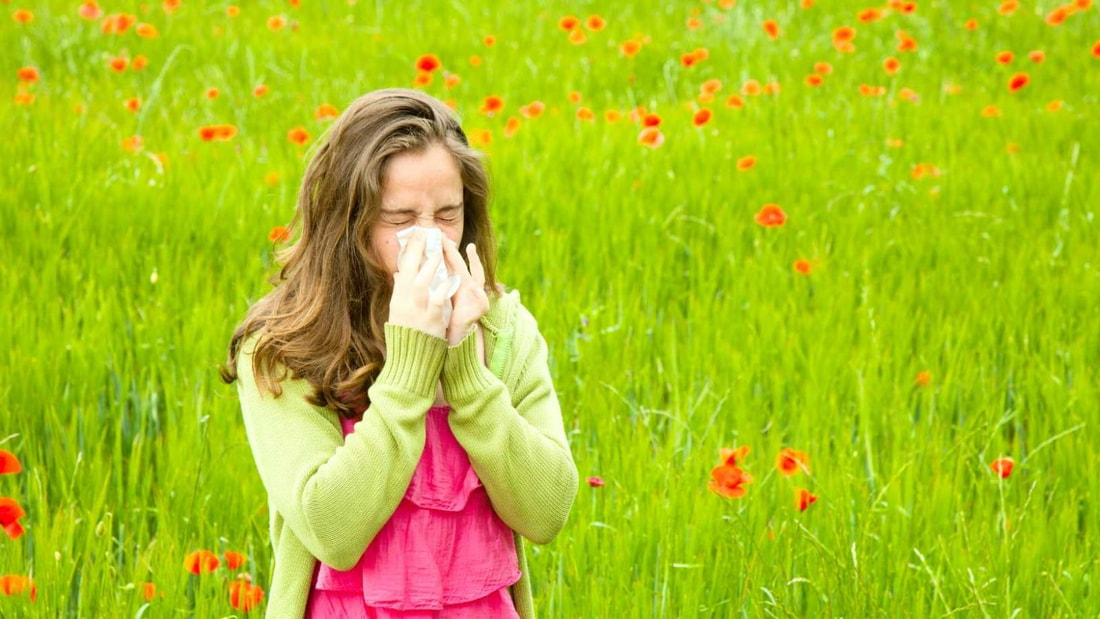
x,y
329,496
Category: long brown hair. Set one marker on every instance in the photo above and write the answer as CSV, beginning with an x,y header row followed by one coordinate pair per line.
x,y
324,320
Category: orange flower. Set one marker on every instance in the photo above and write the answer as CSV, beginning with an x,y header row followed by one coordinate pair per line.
x,y
1096,50
1017,82
923,379
727,479
212,93
1037,56
276,23
735,101
423,79
170,6
746,163
771,88
450,80
651,120
823,68
23,98
326,111
511,126
701,117
803,499
118,64
694,23
991,111
750,88
90,10
244,596
867,16
489,40
771,216
139,63
569,23
428,62
971,24
260,90
147,31
9,464
533,109
10,513
149,591
28,75
651,137
844,33
1002,467
771,28
807,4
814,80
802,266
493,104
891,65
906,43
132,104
921,170
574,97
612,116
577,37
733,457
789,462
298,135
595,23
200,562
630,48
271,178
234,560
132,144
711,86
14,584
1008,7
219,133
1005,57
1057,16
232,10
1055,105
480,137
117,23
908,94
585,114
22,16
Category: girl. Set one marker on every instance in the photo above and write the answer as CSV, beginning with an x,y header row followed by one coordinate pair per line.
x,y
404,454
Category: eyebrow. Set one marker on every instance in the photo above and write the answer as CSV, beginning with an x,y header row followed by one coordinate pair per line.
x,y
412,211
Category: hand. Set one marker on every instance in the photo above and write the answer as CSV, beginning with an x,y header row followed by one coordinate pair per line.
x,y
470,300
412,304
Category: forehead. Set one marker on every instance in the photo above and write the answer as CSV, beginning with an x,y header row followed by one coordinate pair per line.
x,y
420,178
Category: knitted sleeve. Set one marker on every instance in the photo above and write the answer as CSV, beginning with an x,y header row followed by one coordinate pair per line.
x,y
336,493
514,433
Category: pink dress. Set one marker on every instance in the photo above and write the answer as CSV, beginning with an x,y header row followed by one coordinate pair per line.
x,y
443,554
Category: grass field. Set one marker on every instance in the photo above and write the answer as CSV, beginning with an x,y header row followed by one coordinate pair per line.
x,y
926,306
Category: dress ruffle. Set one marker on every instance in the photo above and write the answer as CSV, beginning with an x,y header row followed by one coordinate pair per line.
x,y
443,546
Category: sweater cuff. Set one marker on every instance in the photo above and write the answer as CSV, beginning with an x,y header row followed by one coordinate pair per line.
x,y
413,360
464,375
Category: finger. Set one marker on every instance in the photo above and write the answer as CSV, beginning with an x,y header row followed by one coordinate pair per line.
x,y
455,263
476,268
410,259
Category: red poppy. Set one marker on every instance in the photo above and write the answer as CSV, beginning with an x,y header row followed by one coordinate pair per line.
x,y
971,24
1005,57
733,457
132,144
139,63
118,64
10,513
9,464
630,48
117,23
574,97
814,80
1057,16
595,481
200,562
1002,467
428,62
276,23
1017,82
15,584
844,33
789,462
701,117
489,40
771,216
260,90
867,16
711,86
569,23
511,126
450,80
243,595
802,266
212,93
803,499
22,16
651,120
233,559
823,68
90,10
612,116
746,163
232,10
149,591
1096,50
585,114
729,481
735,101
326,111
493,105
298,135
28,75
595,23
1008,7
651,137
533,109
891,65
1037,56
147,31
771,28
906,43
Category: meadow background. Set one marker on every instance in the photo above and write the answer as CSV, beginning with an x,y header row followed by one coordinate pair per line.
x,y
927,305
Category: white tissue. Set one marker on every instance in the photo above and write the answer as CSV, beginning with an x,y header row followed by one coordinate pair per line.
x,y
433,246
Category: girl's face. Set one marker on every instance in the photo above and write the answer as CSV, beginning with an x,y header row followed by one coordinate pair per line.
x,y
422,188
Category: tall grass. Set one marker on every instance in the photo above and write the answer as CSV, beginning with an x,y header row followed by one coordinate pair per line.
x,y
677,325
